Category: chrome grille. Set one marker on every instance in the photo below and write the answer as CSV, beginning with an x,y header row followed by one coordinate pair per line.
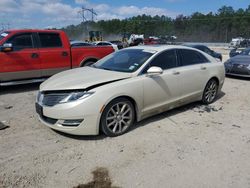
x,y
52,99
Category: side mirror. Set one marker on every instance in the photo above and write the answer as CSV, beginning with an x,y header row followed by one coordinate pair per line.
x,y
154,71
7,47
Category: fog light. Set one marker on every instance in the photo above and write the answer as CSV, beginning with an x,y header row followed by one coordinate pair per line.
x,y
70,123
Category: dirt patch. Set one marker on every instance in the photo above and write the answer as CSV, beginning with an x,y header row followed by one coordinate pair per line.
x,y
208,109
101,179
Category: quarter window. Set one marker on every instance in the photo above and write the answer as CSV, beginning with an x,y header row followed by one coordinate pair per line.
x,y
21,41
191,57
50,40
165,60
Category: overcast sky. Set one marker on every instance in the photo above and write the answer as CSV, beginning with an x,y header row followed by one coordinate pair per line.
x,y
59,13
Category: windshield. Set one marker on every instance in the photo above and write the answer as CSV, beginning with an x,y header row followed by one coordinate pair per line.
x,y
3,34
128,60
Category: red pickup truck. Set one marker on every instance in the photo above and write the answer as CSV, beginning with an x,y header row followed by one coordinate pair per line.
x,y
29,55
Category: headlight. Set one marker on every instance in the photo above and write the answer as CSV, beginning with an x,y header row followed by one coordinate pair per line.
x,y
75,96
228,63
248,67
52,99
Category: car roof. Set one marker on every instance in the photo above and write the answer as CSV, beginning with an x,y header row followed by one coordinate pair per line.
x,y
160,48
32,30
100,41
195,45
78,41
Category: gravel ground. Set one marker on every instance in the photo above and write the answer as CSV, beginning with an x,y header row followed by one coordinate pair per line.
x,y
192,146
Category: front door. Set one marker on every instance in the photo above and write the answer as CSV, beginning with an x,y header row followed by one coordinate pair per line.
x,y
162,91
21,63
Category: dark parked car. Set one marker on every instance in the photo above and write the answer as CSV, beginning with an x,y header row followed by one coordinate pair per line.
x,y
75,43
234,52
239,65
207,50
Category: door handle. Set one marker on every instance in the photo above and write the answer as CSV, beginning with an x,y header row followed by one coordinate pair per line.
x,y
65,54
34,55
176,72
203,68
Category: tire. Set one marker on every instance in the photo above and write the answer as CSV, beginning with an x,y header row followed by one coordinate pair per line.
x,y
88,63
117,117
210,92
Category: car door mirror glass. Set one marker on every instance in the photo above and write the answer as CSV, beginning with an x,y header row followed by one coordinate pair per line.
x,y
7,47
154,70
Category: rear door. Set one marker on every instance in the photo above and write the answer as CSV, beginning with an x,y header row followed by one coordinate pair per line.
x,y
194,72
23,62
54,56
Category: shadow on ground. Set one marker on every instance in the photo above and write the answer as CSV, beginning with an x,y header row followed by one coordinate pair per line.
x,y
238,78
196,106
19,88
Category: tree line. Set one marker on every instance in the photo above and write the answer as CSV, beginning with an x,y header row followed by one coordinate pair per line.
x,y
221,26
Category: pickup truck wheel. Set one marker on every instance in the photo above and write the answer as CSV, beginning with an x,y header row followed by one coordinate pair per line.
x,y
88,63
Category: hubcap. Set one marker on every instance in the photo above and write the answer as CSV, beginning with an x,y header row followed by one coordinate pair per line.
x,y
210,92
119,117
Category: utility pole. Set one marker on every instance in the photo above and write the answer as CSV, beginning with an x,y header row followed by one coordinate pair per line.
x,y
82,13
93,13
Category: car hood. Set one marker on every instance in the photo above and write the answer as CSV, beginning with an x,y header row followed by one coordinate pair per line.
x,y
82,78
240,59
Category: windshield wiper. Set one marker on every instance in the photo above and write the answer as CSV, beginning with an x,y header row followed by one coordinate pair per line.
x,y
104,68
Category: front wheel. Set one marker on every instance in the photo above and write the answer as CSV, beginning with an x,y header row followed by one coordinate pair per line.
x,y
117,117
210,92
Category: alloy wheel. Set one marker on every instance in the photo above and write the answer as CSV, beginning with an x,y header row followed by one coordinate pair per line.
x,y
119,117
210,91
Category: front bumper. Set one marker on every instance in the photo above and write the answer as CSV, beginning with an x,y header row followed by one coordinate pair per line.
x,y
237,70
89,118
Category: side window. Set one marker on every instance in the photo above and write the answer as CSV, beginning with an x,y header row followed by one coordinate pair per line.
x,y
50,40
21,41
191,57
106,44
165,60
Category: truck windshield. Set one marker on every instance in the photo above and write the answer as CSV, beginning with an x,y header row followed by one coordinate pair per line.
x,y
128,60
3,34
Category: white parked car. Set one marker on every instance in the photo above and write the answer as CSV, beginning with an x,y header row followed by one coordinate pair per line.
x,y
126,87
106,43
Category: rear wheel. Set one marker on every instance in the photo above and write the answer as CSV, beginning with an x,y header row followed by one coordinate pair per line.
x,y
210,92
118,117
88,63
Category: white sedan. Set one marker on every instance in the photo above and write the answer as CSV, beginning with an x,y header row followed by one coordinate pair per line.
x,y
126,87
106,43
